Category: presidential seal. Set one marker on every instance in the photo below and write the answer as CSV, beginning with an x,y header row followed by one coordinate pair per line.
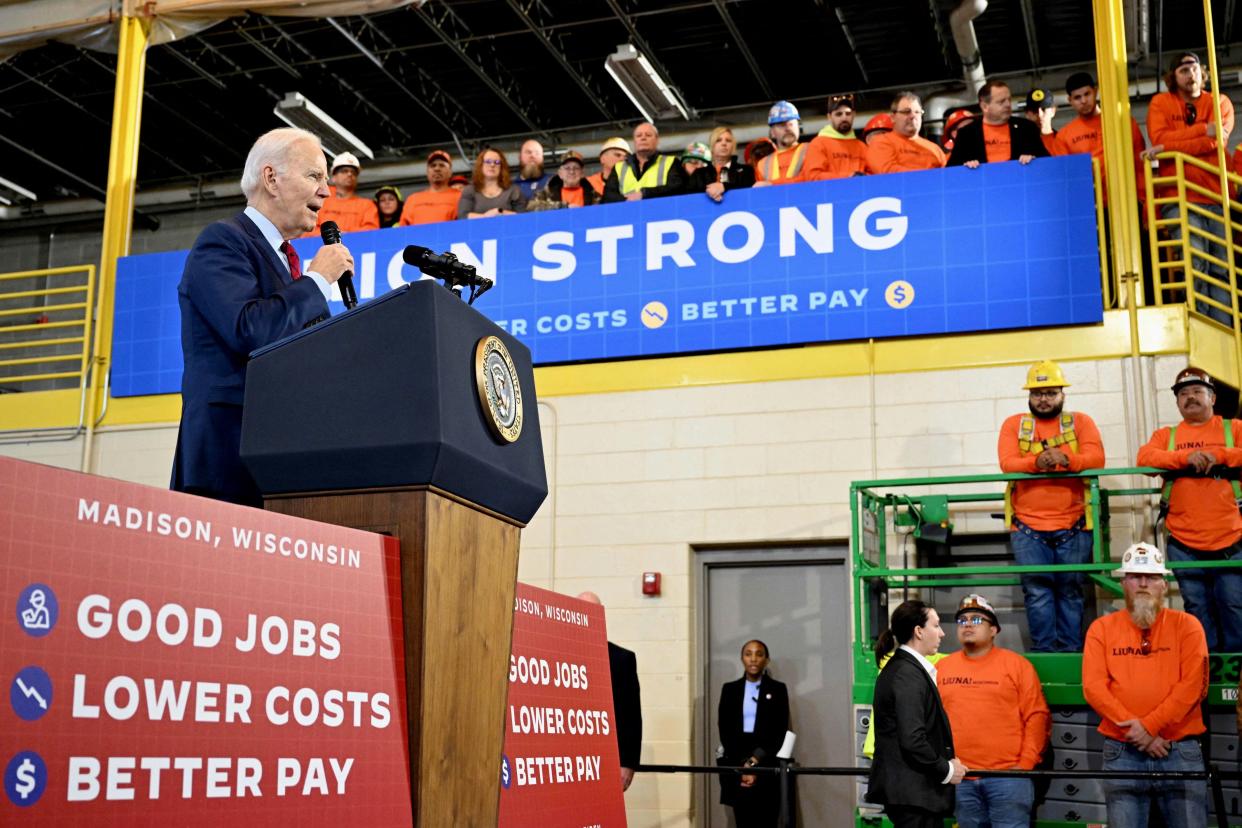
x,y
500,394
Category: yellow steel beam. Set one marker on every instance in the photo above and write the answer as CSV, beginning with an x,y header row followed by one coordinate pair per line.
x,y
131,61
1121,184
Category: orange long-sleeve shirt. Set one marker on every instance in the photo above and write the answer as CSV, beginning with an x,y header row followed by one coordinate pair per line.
x,y
1049,505
893,152
430,206
350,214
996,709
1083,135
1166,125
1202,511
1162,689
833,155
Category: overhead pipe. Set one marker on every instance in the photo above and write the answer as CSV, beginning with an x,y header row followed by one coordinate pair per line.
x,y
961,23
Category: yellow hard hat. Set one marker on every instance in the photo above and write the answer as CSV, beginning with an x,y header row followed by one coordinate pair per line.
x,y
1045,374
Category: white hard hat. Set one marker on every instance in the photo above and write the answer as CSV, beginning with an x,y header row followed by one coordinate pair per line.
x,y
1142,559
345,159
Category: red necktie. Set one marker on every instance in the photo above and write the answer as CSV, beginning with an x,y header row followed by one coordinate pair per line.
x,y
295,264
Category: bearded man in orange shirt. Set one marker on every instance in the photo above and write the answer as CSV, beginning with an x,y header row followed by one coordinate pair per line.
x,y
1048,517
999,718
1144,671
1202,510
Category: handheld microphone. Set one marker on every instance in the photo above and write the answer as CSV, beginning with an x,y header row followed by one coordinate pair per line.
x,y
331,234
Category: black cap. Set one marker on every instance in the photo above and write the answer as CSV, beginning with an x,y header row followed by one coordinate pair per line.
x,y
1039,99
1077,81
1184,57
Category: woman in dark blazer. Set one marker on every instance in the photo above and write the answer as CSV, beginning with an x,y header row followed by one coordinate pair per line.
x,y
752,741
914,769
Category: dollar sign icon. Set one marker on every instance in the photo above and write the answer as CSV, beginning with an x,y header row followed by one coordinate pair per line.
x,y
506,779
899,294
25,778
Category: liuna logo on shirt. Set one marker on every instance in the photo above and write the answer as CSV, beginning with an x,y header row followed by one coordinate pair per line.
x,y
967,680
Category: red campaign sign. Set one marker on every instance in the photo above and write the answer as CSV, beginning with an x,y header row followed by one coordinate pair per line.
x,y
168,659
560,767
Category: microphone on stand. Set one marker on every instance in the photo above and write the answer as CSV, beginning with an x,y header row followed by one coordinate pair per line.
x,y
331,234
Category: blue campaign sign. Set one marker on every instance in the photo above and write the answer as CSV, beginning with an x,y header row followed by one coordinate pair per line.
x,y
944,251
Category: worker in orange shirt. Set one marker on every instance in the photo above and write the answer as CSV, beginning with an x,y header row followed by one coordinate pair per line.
x,y
785,166
999,718
1183,119
439,201
878,125
613,152
1041,109
902,150
350,211
1048,519
1145,672
1085,134
836,151
1202,510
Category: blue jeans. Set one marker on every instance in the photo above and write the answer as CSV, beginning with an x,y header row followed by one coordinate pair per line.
x,y
1214,596
995,803
1182,802
1216,229
1053,600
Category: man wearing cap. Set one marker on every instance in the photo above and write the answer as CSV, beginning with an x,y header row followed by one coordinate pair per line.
x,y
1085,133
999,718
569,186
1144,671
646,173
531,177
996,136
696,156
350,211
902,149
1048,519
1183,119
1202,511
785,165
613,152
836,151
1041,108
439,201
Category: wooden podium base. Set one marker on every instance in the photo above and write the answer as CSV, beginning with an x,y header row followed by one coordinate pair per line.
x,y
458,571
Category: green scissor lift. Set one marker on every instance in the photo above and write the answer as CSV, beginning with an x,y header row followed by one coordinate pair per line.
x,y
880,506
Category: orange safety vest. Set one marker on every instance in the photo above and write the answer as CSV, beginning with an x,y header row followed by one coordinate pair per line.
x,y
770,167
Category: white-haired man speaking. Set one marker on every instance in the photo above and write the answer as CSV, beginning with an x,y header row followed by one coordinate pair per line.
x,y
244,287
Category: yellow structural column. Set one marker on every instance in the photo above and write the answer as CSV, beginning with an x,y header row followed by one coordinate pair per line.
x,y
131,64
1120,180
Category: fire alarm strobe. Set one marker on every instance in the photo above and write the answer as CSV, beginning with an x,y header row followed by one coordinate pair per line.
x,y
651,583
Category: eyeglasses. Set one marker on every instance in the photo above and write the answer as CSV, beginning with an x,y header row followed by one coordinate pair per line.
x,y
1045,393
1191,114
1145,643
491,162
971,621
840,100
908,111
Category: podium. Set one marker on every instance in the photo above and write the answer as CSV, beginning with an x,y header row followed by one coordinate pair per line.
x,y
415,416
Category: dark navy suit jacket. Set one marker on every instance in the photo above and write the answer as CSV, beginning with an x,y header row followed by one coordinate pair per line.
x,y
235,296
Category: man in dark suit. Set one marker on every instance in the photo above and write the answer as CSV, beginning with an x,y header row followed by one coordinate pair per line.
x,y
243,287
914,769
996,136
627,706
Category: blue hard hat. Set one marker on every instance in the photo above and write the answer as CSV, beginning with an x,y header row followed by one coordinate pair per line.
x,y
781,112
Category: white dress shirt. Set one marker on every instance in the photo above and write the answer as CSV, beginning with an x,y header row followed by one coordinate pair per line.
x,y
273,237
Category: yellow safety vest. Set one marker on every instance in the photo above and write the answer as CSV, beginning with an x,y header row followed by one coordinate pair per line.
x,y
1027,444
655,176
770,166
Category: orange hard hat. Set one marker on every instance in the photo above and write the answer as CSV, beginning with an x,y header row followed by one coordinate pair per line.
x,y
955,118
881,121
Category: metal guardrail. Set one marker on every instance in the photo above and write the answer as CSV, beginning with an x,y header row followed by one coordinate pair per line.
x,y
788,769
33,304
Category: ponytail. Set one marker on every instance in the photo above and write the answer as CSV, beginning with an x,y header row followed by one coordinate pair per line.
x,y
907,616
884,645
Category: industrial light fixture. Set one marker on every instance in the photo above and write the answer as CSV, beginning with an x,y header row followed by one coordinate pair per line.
x,y
295,110
654,96
10,192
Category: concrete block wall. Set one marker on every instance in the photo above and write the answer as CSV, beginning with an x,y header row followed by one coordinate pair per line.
x,y
639,479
